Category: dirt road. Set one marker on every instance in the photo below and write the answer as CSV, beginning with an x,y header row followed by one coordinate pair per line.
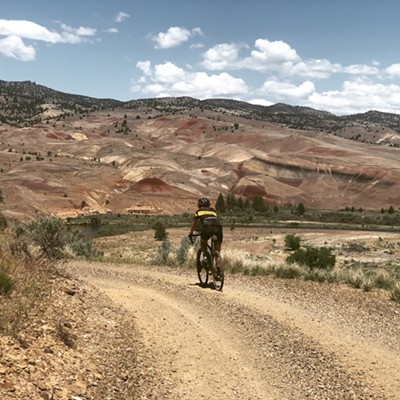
x,y
261,338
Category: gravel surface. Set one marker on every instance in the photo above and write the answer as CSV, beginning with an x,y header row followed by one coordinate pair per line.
x,y
261,338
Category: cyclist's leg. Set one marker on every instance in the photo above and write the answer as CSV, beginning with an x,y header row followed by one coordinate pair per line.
x,y
203,243
217,247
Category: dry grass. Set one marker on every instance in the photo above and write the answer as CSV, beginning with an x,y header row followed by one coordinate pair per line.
x,y
29,284
255,251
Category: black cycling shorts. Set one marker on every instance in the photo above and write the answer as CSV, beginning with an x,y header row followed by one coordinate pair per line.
x,y
210,230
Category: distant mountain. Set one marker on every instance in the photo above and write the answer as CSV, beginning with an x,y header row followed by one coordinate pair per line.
x,y
26,104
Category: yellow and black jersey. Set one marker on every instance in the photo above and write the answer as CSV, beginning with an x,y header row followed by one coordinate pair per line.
x,y
207,216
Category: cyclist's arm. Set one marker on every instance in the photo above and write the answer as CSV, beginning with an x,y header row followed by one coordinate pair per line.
x,y
194,226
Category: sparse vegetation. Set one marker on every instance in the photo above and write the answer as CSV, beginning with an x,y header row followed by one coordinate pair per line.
x,y
292,242
6,283
27,255
395,292
23,283
160,233
321,258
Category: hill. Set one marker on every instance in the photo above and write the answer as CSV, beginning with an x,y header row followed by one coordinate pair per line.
x,y
66,154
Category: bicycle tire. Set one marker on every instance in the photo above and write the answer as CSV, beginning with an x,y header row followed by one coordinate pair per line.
x,y
202,270
218,281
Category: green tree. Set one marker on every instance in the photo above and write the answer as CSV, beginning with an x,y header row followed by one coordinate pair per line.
x,y
301,209
230,201
220,204
258,203
1,196
391,210
160,232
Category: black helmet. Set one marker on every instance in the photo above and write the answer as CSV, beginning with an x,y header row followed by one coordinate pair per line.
x,y
203,202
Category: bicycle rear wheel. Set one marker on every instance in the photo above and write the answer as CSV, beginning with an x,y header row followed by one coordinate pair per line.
x,y
218,279
202,269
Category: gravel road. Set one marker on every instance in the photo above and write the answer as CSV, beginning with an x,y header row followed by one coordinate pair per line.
x,y
261,338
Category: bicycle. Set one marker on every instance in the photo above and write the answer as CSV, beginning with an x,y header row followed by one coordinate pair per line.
x,y
207,267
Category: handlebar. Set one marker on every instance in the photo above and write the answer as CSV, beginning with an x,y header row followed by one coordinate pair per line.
x,y
192,235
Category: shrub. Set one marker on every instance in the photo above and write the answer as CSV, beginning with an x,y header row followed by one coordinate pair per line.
x,y
313,257
367,285
292,242
50,234
53,239
182,252
317,275
355,247
356,279
290,271
83,248
6,283
163,253
395,292
3,222
160,232
383,280
27,280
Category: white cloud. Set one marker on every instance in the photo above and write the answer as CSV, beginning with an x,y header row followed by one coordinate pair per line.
x,y
202,85
121,16
393,70
13,47
16,30
360,69
261,102
358,96
174,36
168,73
279,63
276,52
282,90
168,79
197,46
197,31
112,30
154,89
28,30
81,31
280,58
222,56
145,67
319,69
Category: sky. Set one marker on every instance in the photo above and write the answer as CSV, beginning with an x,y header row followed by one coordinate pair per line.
x,y
341,56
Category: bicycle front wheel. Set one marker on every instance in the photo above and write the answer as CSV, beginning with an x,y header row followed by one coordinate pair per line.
x,y
202,269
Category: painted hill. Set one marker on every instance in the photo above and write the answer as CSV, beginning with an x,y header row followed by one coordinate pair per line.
x,y
67,155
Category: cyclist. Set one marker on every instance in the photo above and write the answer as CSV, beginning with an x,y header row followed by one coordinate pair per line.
x,y
207,218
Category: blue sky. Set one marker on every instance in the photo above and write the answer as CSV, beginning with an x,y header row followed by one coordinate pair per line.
x,y
342,56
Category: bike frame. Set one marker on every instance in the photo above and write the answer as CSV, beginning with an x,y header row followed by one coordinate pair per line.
x,y
210,268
